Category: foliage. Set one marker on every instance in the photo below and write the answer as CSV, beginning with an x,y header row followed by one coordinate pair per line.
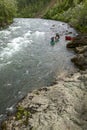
x,y
22,114
8,10
74,12
29,8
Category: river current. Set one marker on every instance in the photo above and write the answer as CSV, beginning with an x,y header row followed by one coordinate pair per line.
x,y
28,61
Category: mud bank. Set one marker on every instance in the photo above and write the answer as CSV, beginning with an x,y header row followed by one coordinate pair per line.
x,y
62,106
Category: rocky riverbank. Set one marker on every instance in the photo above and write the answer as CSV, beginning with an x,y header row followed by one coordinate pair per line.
x,y
62,106
80,47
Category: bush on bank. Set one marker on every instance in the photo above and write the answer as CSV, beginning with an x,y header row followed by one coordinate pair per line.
x,y
75,13
8,10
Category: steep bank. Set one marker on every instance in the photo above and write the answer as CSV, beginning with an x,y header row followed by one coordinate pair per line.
x,y
59,107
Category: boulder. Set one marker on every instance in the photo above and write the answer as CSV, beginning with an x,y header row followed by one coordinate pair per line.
x,y
80,46
79,40
81,49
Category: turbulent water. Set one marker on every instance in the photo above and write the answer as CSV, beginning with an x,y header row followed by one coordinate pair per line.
x,y
27,60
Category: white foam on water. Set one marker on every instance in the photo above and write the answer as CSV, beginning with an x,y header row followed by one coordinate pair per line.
x,y
8,63
27,34
9,84
1,115
12,47
27,72
27,42
15,45
27,38
18,43
4,33
10,109
37,33
39,64
45,23
11,28
1,58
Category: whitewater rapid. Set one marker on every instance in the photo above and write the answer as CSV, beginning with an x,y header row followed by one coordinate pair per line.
x,y
28,61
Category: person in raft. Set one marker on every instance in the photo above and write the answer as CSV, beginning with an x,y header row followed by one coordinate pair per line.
x,y
57,37
52,41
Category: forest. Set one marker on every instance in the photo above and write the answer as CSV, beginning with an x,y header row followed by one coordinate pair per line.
x,y
73,12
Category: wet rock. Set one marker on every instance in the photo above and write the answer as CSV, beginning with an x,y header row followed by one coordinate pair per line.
x,y
81,49
69,32
85,54
80,46
80,40
80,61
43,89
53,25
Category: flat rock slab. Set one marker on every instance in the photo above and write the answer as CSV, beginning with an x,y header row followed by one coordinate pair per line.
x,y
59,107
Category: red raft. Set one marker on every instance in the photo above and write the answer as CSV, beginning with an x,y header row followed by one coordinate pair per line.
x,y
69,38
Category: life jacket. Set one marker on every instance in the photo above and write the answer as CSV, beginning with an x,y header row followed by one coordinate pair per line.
x,y
52,43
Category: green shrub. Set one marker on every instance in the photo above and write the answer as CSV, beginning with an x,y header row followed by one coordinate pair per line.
x,y
8,10
21,112
74,12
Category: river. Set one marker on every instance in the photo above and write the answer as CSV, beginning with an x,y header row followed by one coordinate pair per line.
x,y
28,61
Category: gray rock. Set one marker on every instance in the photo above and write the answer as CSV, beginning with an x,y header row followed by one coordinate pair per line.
x,y
63,107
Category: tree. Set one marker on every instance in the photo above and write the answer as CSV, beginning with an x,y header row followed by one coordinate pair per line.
x,y
8,10
29,8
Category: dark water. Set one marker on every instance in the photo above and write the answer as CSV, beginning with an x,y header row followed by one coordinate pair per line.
x,y
27,60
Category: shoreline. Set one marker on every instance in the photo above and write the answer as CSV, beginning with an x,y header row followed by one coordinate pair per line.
x,y
57,104
58,107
